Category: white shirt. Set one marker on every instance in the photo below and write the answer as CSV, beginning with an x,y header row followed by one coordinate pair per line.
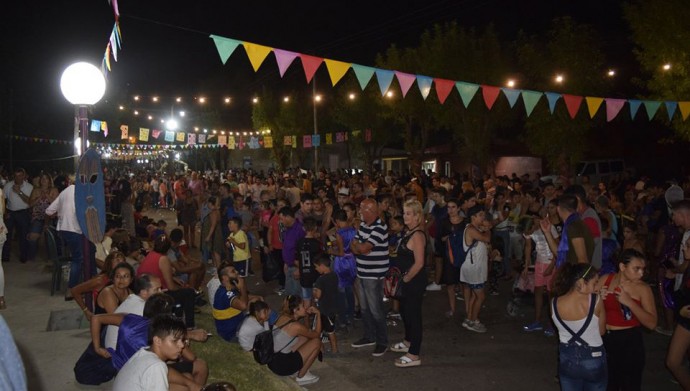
x,y
14,201
133,304
143,372
67,214
248,331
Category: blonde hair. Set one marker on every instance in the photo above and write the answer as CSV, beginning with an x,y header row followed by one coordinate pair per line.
x,y
416,208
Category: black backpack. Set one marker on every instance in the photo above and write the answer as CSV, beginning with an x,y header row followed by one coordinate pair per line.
x,y
263,345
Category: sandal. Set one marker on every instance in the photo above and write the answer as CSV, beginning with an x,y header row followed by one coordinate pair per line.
x,y
400,347
3,305
406,361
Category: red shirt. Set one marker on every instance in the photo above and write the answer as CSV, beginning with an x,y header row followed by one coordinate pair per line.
x,y
150,265
614,311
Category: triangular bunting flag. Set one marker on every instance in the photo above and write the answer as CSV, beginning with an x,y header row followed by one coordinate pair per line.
x,y
530,99
572,102
593,104
490,94
329,138
671,108
95,125
684,109
294,141
405,80
336,69
363,74
651,106
443,89
552,97
634,106
156,133
316,140
225,47
113,45
284,59
512,95
613,107
424,84
310,65
256,53
467,91
385,77
306,141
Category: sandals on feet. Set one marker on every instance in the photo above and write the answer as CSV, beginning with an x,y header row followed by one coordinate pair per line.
x,y
400,347
406,361
3,305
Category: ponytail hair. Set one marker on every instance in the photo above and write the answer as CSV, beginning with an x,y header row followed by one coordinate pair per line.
x,y
569,274
290,304
257,306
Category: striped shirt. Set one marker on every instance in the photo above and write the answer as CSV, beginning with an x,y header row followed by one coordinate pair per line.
x,y
375,264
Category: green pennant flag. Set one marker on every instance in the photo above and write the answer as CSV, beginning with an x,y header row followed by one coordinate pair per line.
x,y
467,91
531,98
225,46
651,106
363,74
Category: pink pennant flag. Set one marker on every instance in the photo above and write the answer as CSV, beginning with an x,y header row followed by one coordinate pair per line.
x,y
155,133
191,139
613,107
310,65
443,88
306,140
490,94
284,59
572,102
339,137
406,80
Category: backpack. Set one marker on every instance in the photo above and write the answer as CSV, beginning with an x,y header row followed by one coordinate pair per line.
x,y
392,283
455,248
263,345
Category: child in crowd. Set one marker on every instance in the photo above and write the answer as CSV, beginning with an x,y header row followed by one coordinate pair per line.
x,y
248,226
543,270
396,225
326,298
308,248
238,242
345,266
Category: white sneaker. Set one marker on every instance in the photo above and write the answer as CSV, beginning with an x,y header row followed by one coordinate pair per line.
x,y
466,323
433,287
308,378
477,327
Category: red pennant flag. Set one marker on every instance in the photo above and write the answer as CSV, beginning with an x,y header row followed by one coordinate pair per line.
x,y
490,94
572,102
443,88
310,65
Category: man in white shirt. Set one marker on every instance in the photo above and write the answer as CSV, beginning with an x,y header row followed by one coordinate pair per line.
x,y
18,214
148,285
147,370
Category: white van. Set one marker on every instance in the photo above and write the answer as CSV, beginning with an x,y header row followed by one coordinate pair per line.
x,y
599,170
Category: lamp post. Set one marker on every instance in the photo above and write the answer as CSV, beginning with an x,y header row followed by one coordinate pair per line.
x,y
83,85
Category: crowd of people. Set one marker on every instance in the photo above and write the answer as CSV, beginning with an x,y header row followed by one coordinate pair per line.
x,y
604,258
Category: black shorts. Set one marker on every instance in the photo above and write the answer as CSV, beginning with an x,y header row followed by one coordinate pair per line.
x,y
450,274
327,323
286,364
183,366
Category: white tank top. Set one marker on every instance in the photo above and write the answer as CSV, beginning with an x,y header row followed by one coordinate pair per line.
x,y
591,335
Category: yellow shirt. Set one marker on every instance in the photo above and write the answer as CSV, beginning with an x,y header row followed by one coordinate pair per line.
x,y
240,254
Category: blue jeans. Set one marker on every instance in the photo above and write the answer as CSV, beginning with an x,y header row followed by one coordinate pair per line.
x,y
75,244
292,286
373,313
346,304
582,368
19,222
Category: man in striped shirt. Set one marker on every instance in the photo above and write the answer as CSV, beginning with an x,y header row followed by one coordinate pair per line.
x,y
370,247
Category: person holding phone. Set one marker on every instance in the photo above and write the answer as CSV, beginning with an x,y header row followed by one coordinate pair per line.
x,y
230,302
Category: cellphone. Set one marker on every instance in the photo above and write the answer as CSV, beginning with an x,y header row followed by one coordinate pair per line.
x,y
209,335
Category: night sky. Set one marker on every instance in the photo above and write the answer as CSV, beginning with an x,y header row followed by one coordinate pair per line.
x,y
166,50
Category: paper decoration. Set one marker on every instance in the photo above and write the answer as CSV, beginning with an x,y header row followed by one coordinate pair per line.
x,y
651,107
124,132
225,46
593,105
405,80
490,95
530,99
180,136
467,91
104,128
336,69
552,97
169,136
634,106
143,134
572,102
613,107
156,133
256,53
202,138
284,59
339,137
294,142
443,89
287,140
364,74
222,140
329,138
191,139
268,141
316,140
306,141
671,109
385,77
512,95
95,125
310,64
424,84
253,142
684,109
232,142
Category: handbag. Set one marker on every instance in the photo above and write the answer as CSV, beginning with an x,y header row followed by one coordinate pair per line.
x,y
393,283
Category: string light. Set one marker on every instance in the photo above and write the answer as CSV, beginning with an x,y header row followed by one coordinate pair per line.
x,y
155,99
227,100
510,83
352,96
611,73
286,99
317,98
389,94
255,100
559,79
667,67
122,107
178,99
202,100
136,98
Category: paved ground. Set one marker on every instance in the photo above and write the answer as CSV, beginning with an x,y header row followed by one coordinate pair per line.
x,y
453,357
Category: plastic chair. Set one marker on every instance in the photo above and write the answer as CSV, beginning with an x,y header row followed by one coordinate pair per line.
x,y
58,260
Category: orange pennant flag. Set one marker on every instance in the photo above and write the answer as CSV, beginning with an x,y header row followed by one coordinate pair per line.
x,y
336,69
256,53
593,105
684,109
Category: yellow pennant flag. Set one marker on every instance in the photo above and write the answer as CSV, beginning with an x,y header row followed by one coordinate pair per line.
x,y
329,138
294,141
593,105
684,109
337,69
143,134
231,142
180,136
256,53
268,141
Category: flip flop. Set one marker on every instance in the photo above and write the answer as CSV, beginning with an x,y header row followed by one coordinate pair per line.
x,y
405,361
400,347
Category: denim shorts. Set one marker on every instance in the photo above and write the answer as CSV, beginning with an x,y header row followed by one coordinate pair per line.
x,y
307,293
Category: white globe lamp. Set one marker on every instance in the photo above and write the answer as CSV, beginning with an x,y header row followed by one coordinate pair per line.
x,y
82,84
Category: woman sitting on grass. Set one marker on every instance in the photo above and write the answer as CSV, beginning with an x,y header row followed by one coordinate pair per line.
x,y
109,288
